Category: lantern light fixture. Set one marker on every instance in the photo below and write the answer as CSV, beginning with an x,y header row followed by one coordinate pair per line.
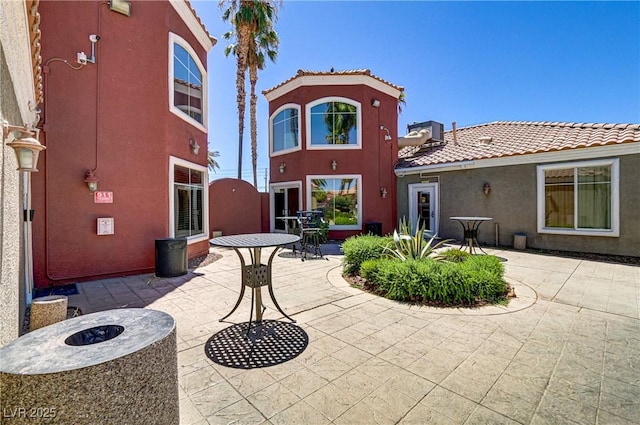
x,y
26,147
282,167
91,180
334,165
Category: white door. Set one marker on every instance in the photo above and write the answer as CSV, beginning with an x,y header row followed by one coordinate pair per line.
x,y
423,206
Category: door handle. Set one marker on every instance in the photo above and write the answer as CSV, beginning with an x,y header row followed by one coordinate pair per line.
x,y
433,214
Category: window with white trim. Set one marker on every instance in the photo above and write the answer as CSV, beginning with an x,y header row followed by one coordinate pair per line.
x,y
580,198
189,200
339,198
285,129
334,123
187,83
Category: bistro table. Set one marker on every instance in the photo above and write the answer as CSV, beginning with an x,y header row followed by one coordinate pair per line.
x,y
256,274
470,227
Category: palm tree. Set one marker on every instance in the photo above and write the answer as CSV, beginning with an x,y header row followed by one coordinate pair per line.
x,y
211,158
340,119
263,45
248,18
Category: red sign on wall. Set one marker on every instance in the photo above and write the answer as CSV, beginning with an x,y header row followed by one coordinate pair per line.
x,y
103,197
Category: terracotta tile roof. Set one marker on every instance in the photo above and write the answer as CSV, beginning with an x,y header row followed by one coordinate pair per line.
x,y
510,138
195,14
305,72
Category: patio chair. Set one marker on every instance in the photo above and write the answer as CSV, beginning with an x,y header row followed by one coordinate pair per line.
x,y
309,224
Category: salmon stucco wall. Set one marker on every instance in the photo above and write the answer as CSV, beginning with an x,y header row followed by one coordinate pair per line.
x,y
235,207
112,116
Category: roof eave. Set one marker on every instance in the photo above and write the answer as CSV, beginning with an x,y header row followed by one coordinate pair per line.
x,y
330,80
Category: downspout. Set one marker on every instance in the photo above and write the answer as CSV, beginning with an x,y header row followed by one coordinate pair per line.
x,y
26,243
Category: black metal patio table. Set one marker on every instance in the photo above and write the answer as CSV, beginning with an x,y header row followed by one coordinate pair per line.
x,y
470,227
256,275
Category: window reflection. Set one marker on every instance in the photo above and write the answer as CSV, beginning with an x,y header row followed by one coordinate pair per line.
x,y
334,123
187,83
285,130
337,199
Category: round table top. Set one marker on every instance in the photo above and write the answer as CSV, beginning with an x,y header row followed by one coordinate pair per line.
x,y
254,240
471,218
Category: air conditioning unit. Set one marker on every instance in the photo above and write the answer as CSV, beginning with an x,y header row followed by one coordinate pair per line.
x,y
436,129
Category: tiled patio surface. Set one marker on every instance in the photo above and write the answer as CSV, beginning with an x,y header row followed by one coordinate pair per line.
x,y
566,351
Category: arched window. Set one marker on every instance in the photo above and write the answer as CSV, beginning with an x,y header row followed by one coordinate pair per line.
x,y
334,123
285,129
187,83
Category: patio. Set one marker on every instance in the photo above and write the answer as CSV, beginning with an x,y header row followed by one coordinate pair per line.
x,y
564,351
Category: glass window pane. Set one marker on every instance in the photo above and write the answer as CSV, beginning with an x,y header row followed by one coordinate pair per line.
x,y
594,174
594,205
337,199
187,83
285,130
188,201
559,199
334,123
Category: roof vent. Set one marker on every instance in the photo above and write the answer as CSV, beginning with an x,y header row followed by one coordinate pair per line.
x,y
486,140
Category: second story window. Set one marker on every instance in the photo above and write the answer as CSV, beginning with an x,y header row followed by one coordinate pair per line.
x,y
333,123
285,134
188,83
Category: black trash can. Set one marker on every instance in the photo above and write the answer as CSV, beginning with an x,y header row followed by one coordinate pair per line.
x,y
373,228
171,257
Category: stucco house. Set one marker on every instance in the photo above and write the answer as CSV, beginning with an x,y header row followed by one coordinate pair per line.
x,y
566,186
331,149
125,125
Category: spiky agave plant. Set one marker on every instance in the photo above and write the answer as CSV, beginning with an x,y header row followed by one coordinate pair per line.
x,y
412,245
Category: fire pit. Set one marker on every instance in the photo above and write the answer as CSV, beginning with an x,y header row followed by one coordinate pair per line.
x,y
116,366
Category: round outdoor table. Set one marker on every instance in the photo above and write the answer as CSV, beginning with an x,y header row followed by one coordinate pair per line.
x,y
470,227
256,274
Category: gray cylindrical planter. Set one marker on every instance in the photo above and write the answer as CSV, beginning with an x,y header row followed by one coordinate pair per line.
x,y
113,367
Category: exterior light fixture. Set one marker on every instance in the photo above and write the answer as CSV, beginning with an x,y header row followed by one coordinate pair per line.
x,y
123,7
91,180
25,146
334,165
375,103
486,188
387,136
195,147
282,167
383,192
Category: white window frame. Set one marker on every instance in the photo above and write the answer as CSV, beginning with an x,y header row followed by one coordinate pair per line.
x,y
173,161
176,39
615,198
297,107
359,186
308,107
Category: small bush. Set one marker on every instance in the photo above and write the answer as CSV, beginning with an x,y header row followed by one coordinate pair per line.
x,y
358,249
454,255
476,280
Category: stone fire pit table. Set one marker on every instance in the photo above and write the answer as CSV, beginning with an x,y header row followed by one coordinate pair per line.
x,y
113,367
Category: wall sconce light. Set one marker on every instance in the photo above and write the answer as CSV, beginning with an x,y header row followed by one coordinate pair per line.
x,y
334,165
375,103
123,7
383,192
282,167
25,146
486,188
387,136
195,147
91,180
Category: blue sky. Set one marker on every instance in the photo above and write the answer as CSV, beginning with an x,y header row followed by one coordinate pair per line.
x,y
469,62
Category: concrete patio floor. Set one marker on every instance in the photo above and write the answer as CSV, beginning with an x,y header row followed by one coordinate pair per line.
x,y
566,350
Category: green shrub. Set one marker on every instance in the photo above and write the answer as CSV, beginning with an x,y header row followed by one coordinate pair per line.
x,y
409,245
478,279
453,255
358,249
